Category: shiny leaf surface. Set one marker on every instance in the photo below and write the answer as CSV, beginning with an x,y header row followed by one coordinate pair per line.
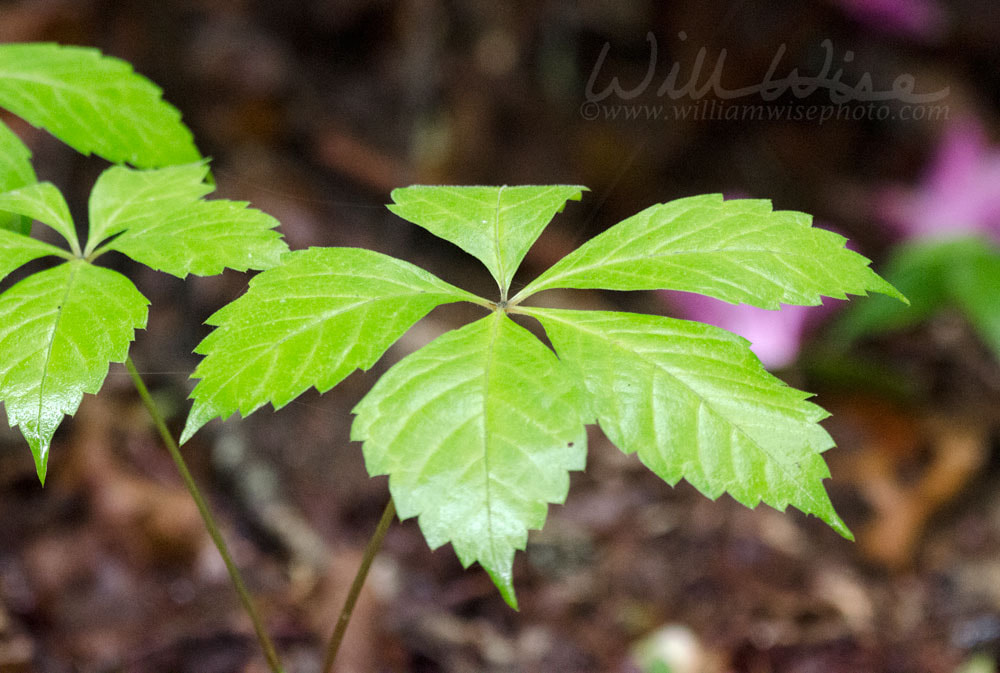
x,y
59,330
308,323
477,431
739,251
93,103
696,404
496,225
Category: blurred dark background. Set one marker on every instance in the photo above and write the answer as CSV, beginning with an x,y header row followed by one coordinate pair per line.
x,y
314,112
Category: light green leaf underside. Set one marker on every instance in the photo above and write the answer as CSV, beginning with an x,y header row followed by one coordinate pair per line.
x,y
497,225
695,403
42,201
963,274
17,250
15,171
59,330
308,323
93,103
739,251
477,432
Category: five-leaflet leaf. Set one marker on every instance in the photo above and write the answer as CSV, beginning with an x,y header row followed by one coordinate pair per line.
x,y
60,328
478,429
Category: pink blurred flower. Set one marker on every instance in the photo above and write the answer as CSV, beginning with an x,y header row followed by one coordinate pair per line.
x,y
775,336
922,19
959,194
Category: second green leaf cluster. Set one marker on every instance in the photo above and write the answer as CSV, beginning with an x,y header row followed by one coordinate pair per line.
x,y
479,429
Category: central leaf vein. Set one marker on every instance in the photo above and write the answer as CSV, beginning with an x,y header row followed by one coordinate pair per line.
x,y
494,333
60,311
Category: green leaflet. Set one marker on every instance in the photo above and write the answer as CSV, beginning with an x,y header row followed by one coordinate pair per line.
x,y
206,239
737,251
309,322
59,329
169,227
17,250
123,198
695,403
962,273
477,432
43,202
497,225
15,171
15,161
93,103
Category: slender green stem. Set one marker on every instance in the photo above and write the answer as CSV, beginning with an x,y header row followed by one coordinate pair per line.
x,y
91,256
525,292
206,515
65,254
485,303
359,581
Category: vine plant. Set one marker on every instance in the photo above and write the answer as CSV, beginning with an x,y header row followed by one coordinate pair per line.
x,y
479,429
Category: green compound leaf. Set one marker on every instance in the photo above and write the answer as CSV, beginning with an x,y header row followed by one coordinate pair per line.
x,y
42,201
962,273
696,404
93,103
497,225
168,226
59,330
737,251
309,322
477,431
15,171
17,250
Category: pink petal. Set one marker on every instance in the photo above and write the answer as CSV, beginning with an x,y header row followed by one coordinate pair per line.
x,y
959,193
775,336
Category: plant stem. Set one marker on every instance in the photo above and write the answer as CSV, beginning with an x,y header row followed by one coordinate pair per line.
x,y
359,580
206,515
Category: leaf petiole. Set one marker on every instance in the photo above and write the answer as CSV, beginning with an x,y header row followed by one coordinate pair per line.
x,y
213,529
374,543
